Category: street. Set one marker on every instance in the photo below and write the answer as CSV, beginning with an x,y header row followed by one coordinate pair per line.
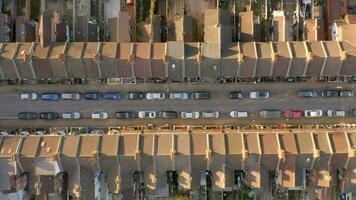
x,y
283,97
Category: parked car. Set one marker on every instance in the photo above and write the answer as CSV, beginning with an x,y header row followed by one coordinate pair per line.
x,y
178,95
168,114
346,93
48,115
147,114
27,115
99,115
337,93
330,93
155,95
272,113
71,115
292,114
135,95
50,96
125,115
71,96
238,114
237,95
335,113
313,113
92,96
352,112
307,93
30,96
112,96
261,94
200,95
210,114
190,115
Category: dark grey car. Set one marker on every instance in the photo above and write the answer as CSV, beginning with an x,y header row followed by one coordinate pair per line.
x,y
125,115
307,93
168,114
27,115
48,115
272,113
200,95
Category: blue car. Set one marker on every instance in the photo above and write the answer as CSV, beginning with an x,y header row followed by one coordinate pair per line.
x,y
50,96
112,96
92,96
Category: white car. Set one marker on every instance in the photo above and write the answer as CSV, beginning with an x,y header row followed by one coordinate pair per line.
x,y
190,115
155,95
31,96
313,113
261,94
210,114
99,115
239,114
71,115
71,96
336,113
178,95
147,114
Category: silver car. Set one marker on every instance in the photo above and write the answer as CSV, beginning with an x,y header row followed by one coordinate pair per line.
x,y
31,96
71,96
313,113
147,114
238,114
155,95
179,95
71,115
190,115
336,113
210,114
260,94
99,115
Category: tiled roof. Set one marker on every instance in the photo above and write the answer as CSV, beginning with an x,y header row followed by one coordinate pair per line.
x,y
190,153
177,60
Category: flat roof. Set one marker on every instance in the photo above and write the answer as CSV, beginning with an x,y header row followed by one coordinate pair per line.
x,y
218,144
146,144
40,52
23,48
48,145
163,144
75,49
304,143
128,144
269,143
288,143
109,50
321,142
8,146
109,145
183,144
30,146
251,143
88,145
56,49
90,49
198,143
69,146
338,142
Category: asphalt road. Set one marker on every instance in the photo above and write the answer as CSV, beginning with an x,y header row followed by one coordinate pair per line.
x,y
283,97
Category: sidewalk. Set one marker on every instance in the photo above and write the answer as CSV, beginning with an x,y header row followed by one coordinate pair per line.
x,y
167,87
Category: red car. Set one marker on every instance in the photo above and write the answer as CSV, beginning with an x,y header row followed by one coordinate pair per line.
x,y
292,114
